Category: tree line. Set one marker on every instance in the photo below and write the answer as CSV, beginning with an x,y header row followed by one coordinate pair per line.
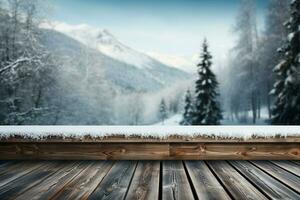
x,y
263,71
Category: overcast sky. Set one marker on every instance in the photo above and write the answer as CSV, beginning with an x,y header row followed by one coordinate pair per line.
x,y
170,27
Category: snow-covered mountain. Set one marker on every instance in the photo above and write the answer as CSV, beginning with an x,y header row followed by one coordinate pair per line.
x,y
106,43
125,69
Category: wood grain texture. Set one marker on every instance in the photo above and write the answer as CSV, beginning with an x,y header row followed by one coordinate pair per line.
x,y
268,185
16,187
83,151
289,166
149,180
13,166
84,184
116,183
297,162
15,170
4,165
145,182
205,183
236,184
175,184
149,151
235,151
54,183
285,177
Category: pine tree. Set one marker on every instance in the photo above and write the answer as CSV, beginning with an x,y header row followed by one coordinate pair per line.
x,y
207,111
163,111
275,35
287,87
188,110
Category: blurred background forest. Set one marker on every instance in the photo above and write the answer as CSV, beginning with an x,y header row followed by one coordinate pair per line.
x,y
54,73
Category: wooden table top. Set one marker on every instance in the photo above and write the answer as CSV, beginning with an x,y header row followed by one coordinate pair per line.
x,y
150,180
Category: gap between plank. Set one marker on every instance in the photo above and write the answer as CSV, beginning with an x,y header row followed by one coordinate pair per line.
x,y
44,178
77,174
190,181
296,162
111,166
219,180
126,193
249,179
298,175
160,190
266,172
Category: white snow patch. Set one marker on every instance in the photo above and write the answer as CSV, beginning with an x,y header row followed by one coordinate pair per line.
x,y
291,37
110,46
245,132
172,121
279,66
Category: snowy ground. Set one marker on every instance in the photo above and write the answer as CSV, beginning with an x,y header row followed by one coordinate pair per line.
x,y
172,121
175,119
159,130
264,119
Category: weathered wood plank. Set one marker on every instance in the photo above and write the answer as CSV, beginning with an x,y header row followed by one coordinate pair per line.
x,y
17,170
11,165
54,183
83,151
234,151
289,166
149,151
205,183
19,185
85,183
4,165
267,184
145,182
296,162
175,182
287,178
117,181
235,183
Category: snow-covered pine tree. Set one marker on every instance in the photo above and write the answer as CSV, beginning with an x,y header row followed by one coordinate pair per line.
x,y
274,37
287,87
188,110
207,110
163,111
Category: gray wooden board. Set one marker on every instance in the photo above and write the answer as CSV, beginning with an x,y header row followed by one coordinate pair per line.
x,y
54,183
287,178
205,183
175,182
289,166
267,184
21,184
84,184
235,183
116,182
145,182
17,170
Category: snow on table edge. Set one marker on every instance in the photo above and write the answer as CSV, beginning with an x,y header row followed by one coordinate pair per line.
x,y
244,132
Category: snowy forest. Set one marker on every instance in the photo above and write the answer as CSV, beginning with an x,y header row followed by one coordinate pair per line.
x,y
56,74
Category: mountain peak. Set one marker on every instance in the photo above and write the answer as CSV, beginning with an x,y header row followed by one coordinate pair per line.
x,y
106,37
105,42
